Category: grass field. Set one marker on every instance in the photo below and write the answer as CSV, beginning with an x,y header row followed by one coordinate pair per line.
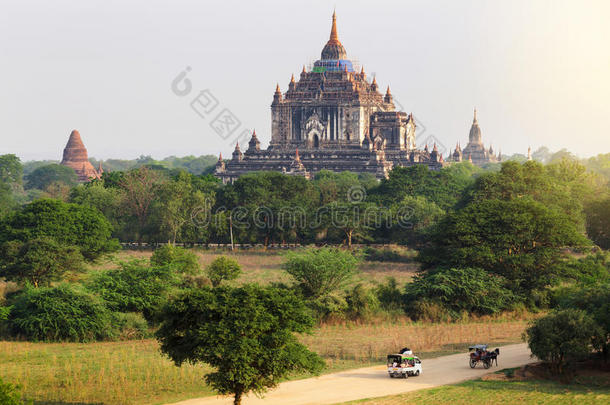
x,y
134,372
266,267
583,390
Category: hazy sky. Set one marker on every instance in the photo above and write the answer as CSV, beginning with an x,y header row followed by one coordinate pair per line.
x,y
537,71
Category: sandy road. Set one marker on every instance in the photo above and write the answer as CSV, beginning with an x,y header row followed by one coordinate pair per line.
x,y
374,381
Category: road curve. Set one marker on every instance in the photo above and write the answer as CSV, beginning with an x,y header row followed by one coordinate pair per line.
x,y
373,382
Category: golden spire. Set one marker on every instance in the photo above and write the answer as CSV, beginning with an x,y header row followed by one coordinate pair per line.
x,y
388,91
333,31
292,78
296,156
303,71
475,116
362,70
277,88
374,81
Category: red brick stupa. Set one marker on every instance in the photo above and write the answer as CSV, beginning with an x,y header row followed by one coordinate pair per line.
x,y
75,156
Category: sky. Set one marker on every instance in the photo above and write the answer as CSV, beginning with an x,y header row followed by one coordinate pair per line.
x,y
537,71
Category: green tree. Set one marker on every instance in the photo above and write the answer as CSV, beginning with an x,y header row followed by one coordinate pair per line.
x,y
223,268
562,336
68,224
38,261
44,176
140,191
320,272
521,240
598,221
245,334
62,313
184,261
11,170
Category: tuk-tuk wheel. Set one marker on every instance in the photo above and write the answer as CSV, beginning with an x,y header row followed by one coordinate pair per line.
x,y
473,363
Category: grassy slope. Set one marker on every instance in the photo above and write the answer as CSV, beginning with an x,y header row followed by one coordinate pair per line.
x,y
584,390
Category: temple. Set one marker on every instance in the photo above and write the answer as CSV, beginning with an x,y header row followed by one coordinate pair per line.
x,y
332,118
75,157
475,152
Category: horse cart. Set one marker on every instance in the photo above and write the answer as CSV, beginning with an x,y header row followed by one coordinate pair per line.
x,y
480,354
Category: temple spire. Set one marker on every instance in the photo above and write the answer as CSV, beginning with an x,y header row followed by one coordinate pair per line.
x,y
333,30
474,121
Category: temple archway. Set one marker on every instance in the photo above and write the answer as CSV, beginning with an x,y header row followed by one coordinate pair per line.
x,y
316,141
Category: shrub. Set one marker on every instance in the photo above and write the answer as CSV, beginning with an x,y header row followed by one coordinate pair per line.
x,y
321,271
61,313
131,325
361,302
562,336
184,261
223,268
389,295
328,307
134,287
429,311
9,394
465,289
372,254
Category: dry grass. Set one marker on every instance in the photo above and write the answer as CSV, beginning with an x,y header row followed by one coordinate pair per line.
x,y
372,342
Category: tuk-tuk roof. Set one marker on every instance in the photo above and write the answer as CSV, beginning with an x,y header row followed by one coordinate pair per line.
x,y
482,347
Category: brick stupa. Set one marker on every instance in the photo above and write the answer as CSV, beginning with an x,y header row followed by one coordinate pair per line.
x,y
75,156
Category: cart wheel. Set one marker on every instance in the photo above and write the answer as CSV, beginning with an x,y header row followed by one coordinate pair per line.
x,y
486,364
406,375
391,375
473,363
417,373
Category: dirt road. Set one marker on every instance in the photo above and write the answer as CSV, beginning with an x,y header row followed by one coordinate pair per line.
x,y
374,381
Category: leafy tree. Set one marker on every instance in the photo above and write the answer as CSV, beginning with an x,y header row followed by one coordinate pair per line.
x,y
389,295
245,334
598,221
68,224
353,220
134,287
184,261
223,268
44,176
562,336
96,195
321,271
459,289
61,313
411,219
140,191
361,302
38,261
521,240
11,170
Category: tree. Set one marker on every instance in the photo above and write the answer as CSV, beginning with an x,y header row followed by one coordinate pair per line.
x,y
9,394
562,336
321,271
38,261
521,240
44,176
598,221
223,268
177,257
353,220
11,170
69,224
246,334
140,190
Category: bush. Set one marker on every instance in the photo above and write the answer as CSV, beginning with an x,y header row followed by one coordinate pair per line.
x,y
427,310
223,268
134,287
61,313
562,336
184,261
389,295
466,289
9,394
361,302
372,254
328,307
131,325
319,272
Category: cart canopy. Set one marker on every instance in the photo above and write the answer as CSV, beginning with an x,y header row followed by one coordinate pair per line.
x,y
479,347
